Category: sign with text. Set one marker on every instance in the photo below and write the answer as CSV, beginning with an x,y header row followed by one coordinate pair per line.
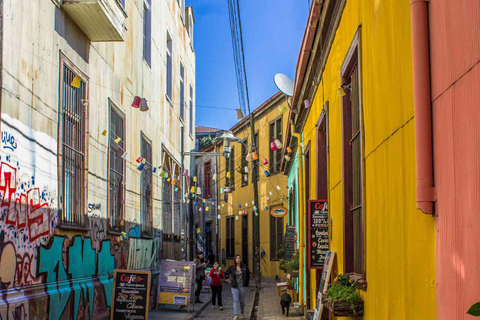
x,y
131,294
176,282
317,237
324,281
290,243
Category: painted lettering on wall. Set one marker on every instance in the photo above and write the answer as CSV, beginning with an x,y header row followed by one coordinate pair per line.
x,y
8,141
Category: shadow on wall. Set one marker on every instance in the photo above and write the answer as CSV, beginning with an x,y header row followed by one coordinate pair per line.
x,y
68,29
44,275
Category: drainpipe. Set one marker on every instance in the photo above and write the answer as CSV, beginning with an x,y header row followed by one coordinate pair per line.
x,y
426,193
301,245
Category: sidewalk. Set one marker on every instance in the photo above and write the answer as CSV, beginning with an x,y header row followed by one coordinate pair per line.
x,y
180,313
269,304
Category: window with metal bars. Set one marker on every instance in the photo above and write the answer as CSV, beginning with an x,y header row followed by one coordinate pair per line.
x,y
275,133
353,167
146,183
176,212
230,237
116,166
276,237
244,163
207,178
167,207
73,147
182,91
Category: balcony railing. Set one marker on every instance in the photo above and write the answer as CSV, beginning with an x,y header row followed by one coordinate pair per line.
x,y
100,20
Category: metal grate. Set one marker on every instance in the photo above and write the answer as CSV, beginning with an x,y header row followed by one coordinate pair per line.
x,y
73,151
146,181
116,169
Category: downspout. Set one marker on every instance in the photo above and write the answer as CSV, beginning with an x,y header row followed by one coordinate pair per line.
x,y
301,245
426,193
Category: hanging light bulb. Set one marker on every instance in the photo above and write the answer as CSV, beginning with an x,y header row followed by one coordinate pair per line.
x,y
165,175
136,102
273,146
255,208
218,207
195,203
117,140
200,209
174,181
266,208
245,177
236,218
176,189
239,205
267,174
246,204
253,201
168,179
265,161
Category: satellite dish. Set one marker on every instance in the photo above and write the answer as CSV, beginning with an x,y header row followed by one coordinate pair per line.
x,y
284,84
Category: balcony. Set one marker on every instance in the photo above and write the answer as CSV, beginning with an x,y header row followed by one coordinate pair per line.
x,y
100,20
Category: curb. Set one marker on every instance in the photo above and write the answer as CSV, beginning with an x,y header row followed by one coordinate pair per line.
x,y
197,312
252,304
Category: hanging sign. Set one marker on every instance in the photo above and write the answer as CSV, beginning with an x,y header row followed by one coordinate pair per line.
x,y
290,243
131,294
317,237
278,212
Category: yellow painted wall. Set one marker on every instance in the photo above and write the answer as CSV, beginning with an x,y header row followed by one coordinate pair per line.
x,y
242,195
399,240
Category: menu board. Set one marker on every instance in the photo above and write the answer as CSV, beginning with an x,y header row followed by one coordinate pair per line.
x,y
176,282
290,243
324,280
317,238
131,294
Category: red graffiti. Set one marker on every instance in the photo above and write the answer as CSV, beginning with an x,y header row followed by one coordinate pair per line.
x,y
25,211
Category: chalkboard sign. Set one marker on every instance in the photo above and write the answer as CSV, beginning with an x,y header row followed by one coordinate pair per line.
x,y
290,242
324,281
131,294
317,238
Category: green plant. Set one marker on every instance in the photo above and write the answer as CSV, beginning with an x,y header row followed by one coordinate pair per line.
x,y
474,310
206,141
294,264
344,289
280,253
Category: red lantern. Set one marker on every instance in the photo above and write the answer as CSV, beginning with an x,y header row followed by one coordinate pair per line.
x,y
136,102
273,146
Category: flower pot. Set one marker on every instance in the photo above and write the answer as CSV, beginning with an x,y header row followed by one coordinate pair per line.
x,y
343,308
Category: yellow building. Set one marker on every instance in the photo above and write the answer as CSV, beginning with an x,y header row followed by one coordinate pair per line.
x,y
236,215
359,139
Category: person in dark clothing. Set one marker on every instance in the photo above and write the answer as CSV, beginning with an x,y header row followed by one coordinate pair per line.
x,y
210,258
200,266
216,274
239,277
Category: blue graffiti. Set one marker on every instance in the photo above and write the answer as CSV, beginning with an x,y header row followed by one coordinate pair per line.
x,y
8,141
134,232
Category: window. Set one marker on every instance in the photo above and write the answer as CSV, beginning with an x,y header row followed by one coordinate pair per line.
x,y
276,237
169,67
73,149
146,191
182,91
116,166
275,133
231,169
191,109
121,3
230,237
257,166
147,32
207,176
167,207
176,212
244,163
292,204
353,164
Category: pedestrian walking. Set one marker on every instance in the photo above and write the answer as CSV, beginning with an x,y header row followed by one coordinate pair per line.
x,y
239,276
200,266
216,274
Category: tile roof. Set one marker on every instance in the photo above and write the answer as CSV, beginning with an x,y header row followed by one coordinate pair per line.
x,y
200,129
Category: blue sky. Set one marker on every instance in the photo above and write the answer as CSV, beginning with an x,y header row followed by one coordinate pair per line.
x,y
272,35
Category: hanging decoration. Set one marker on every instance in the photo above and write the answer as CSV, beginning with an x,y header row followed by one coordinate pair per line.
x,y
227,190
200,209
307,104
267,174
265,161
143,105
199,190
117,141
236,217
173,180
289,150
255,208
207,209
136,102
139,159
154,169
168,180
140,167
214,177
228,174
195,203
219,216
221,190
192,190
104,133
266,208
270,193
195,179
248,157
246,204
239,205
268,198
245,170
278,144
176,189
287,158
282,109
253,201
278,188
76,82
273,146
254,155
245,177
185,173
165,175
124,155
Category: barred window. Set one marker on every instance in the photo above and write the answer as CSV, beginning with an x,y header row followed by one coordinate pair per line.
x,y
116,166
72,158
167,207
146,183
275,133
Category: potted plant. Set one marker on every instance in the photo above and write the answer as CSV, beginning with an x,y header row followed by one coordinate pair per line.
x,y
342,298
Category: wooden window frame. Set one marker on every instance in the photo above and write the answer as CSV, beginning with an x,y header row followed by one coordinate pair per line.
x,y
147,32
276,243
182,92
353,60
230,237
147,168
113,108
65,62
231,169
207,178
244,163
191,109
169,82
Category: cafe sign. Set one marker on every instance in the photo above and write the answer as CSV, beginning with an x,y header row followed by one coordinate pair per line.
x,y
278,212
